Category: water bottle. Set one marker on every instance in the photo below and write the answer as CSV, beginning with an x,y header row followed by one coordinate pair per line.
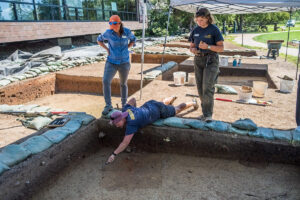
x,y
234,63
240,62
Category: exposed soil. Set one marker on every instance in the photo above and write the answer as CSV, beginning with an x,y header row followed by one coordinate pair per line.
x,y
148,176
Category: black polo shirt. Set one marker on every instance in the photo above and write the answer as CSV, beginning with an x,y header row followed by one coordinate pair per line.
x,y
210,35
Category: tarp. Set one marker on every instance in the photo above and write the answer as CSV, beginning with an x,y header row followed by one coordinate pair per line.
x,y
237,6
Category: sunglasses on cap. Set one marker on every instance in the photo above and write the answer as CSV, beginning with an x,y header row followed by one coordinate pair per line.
x,y
113,23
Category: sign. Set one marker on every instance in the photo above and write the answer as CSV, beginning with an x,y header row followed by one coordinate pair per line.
x,y
114,6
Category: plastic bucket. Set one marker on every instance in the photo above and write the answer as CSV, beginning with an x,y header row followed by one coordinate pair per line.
x,y
179,78
224,61
191,79
245,93
259,88
286,86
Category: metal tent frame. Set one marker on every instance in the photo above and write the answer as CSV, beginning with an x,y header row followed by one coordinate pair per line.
x,y
227,7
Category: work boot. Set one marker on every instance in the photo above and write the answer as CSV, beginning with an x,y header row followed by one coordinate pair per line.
x,y
205,119
107,109
196,105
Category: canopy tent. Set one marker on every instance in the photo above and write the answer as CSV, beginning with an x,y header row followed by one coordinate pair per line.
x,y
229,7
236,6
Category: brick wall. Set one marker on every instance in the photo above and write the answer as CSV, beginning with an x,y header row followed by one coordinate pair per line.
x,y
22,31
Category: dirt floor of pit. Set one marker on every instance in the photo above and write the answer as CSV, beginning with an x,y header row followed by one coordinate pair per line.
x,y
168,176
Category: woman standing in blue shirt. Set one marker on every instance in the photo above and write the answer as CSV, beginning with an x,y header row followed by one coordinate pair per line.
x,y
117,60
206,40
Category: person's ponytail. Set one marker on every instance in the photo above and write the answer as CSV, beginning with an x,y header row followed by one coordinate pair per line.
x,y
121,29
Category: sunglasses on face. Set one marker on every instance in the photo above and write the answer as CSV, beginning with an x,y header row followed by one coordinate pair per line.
x,y
113,23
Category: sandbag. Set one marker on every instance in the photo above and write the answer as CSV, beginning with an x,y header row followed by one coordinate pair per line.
x,y
3,168
4,108
84,118
37,71
4,82
13,154
41,109
175,122
36,144
72,125
218,126
266,133
19,77
296,136
28,107
225,89
10,108
282,135
36,123
245,124
237,131
159,122
56,135
196,124
28,75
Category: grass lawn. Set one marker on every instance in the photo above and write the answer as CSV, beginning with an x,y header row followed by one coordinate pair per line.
x,y
292,59
278,36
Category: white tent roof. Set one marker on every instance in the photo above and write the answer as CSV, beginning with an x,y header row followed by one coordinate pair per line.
x,y
236,6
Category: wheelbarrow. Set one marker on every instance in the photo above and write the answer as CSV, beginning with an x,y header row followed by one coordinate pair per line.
x,y
274,46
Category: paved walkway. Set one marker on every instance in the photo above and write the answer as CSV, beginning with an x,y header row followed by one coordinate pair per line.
x,y
248,40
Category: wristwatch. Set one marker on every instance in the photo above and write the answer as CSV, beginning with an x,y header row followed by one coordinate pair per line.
x,y
208,47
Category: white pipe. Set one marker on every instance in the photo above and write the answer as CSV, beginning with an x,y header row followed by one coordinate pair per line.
x,y
143,38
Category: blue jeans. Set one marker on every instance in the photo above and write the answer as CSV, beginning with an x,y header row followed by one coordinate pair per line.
x,y
109,73
298,104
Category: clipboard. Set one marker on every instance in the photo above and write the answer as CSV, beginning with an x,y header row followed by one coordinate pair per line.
x,y
59,122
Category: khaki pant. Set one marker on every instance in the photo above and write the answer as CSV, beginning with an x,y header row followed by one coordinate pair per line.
x,y
206,73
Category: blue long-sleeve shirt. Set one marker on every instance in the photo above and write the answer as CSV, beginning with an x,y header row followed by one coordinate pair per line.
x,y
118,45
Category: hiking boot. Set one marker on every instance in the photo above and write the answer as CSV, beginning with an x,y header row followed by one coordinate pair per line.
x,y
196,105
205,119
106,110
208,119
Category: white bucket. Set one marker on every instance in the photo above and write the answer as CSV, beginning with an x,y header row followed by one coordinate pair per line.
x,y
259,88
179,78
245,95
286,86
224,61
191,79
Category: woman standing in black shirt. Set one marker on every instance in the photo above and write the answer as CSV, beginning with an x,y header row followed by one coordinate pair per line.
x,y
206,40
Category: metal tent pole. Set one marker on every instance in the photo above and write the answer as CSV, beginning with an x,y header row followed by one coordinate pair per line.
x,y
162,60
287,42
298,60
143,38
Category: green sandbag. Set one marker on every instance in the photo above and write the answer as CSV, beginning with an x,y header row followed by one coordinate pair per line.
x,y
84,118
72,125
266,133
3,168
34,74
218,126
10,108
245,124
43,69
282,135
159,122
35,70
4,82
196,124
13,154
225,89
36,123
19,77
237,131
56,135
36,144
296,136
41,109
175,122
28,75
